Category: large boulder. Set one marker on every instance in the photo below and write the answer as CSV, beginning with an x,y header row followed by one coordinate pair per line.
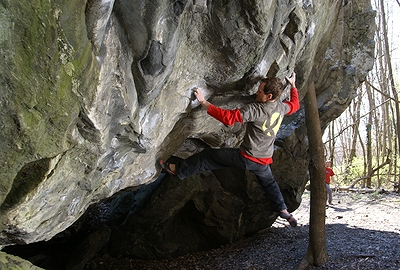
x,y
8,261
93,94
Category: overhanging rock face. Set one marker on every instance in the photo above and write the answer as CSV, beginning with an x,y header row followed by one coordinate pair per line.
x,y
93,95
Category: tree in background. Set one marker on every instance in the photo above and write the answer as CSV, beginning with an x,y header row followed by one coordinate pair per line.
x,y
365,138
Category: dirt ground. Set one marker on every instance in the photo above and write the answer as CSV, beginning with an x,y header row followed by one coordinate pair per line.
x,y
363,232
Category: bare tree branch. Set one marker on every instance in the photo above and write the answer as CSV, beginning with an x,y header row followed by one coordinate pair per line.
x,y
388,160
379,91
362,116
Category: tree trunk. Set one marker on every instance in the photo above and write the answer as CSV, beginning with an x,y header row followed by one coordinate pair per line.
x,y
371,103
316,254
392,83
355,115
332,152
382,78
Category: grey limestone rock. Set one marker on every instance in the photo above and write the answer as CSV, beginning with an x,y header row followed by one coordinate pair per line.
x,y
92,95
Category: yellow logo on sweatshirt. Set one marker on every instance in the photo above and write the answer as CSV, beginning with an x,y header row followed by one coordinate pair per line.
x,y
272,125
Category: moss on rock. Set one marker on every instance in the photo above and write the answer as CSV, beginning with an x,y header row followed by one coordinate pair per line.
x,y
47,62
8,261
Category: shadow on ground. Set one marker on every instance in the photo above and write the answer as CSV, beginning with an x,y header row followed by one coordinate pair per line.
x,y
360,234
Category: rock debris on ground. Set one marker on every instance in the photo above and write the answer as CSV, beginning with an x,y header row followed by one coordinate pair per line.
x,y
362,232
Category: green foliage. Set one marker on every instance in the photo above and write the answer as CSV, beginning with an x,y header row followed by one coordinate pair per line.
x,y
356,196
375,196
346,174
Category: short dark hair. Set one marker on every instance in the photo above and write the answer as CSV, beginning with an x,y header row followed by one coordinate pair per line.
x,y
273,86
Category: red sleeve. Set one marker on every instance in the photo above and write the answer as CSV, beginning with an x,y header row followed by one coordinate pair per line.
x,y
227,117
294,103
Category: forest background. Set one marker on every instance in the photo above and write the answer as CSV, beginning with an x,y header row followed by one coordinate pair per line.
x,y
363,142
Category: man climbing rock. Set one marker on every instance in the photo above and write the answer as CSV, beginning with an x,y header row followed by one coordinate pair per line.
x,y
263,118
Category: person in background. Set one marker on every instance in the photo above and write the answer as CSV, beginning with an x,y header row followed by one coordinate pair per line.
x,y
263,118
329,176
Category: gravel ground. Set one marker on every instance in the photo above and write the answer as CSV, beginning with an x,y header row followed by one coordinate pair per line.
x,y
363,232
